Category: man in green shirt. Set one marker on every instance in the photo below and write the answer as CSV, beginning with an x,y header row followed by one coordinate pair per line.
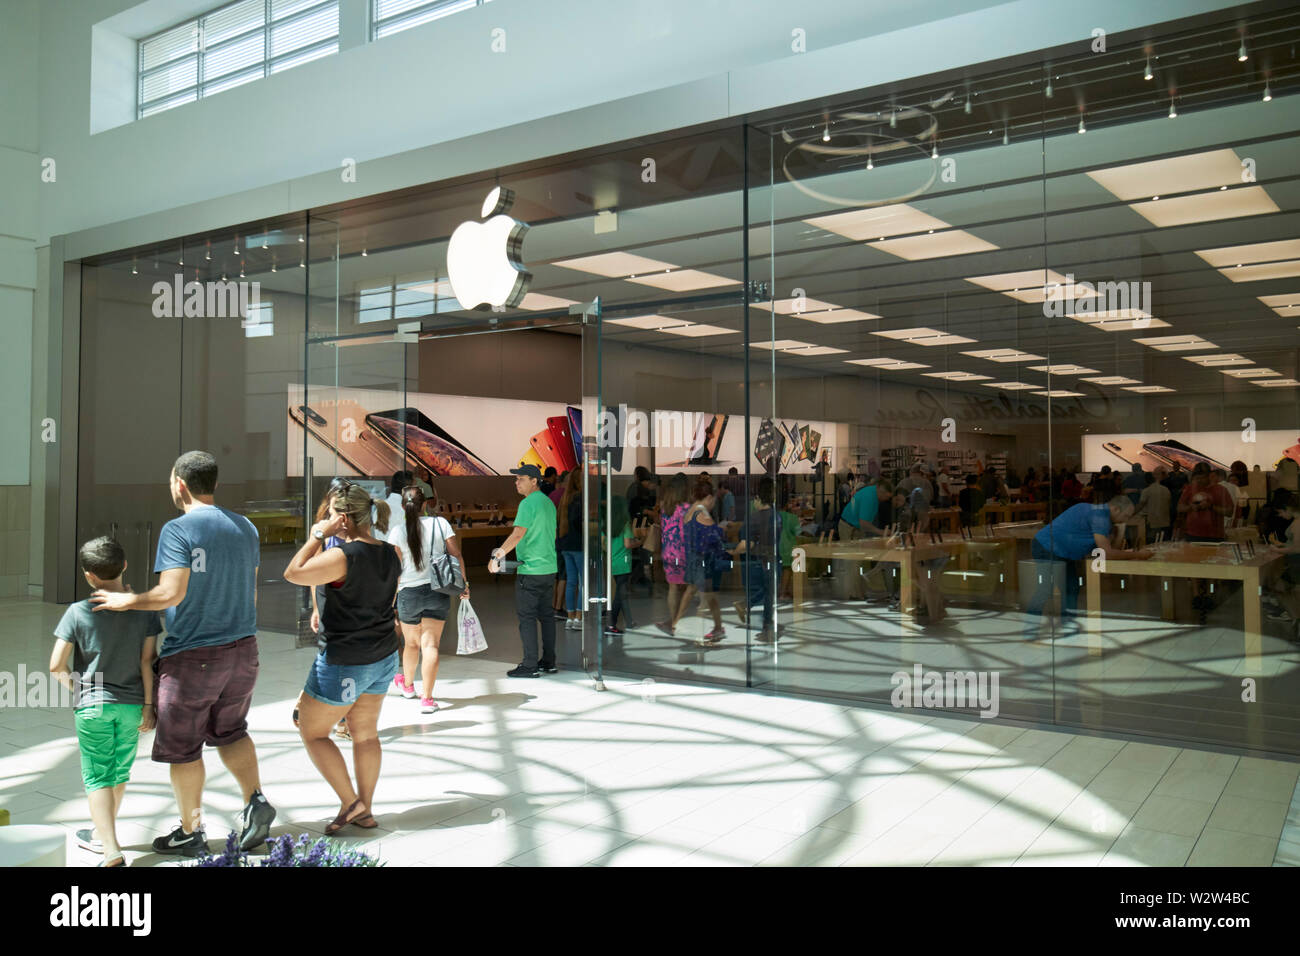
x,y
533,538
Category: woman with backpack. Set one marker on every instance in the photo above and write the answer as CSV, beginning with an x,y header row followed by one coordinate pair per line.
x,y
420,541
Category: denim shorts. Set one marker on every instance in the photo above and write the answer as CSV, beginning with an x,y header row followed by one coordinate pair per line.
x,y
420,602
339,685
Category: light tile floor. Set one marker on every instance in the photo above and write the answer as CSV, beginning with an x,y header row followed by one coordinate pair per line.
x,y
552,772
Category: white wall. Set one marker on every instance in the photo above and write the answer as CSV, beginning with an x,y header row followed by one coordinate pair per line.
x,y
19,185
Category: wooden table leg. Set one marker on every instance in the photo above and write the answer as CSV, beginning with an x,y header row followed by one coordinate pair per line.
x,y
905,571
800,572
1094,608
1250,597
1166,599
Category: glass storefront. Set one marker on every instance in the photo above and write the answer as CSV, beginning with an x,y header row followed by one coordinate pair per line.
x,y
965,314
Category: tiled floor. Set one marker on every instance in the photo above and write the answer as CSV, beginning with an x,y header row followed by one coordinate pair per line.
x,y
552,772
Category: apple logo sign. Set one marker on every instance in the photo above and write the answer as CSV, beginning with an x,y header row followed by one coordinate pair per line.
x,y
483,259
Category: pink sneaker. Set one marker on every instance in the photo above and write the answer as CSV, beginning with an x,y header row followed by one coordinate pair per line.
x,y
400,682
428,705
406,690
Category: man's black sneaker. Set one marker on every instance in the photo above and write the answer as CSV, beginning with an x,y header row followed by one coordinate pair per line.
x,y
255,822
548,668
178,841
87,840
522,671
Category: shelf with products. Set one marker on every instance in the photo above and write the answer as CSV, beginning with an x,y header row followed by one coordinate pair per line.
x,y
996,461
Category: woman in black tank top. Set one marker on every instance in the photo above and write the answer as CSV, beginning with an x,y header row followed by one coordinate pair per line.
x,y
358,655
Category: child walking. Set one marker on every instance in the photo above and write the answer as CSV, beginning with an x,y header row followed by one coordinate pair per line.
x,y
112,683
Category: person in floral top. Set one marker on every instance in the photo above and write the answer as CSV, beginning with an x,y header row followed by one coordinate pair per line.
x,y
706,558
672,548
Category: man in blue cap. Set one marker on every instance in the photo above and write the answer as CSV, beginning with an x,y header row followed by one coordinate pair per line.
x,y
534,539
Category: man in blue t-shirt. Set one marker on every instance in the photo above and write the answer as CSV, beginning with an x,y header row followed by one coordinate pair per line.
x,y
207,564
1059,547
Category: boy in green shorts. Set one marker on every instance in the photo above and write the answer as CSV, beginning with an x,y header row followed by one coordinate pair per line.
x,y
112,684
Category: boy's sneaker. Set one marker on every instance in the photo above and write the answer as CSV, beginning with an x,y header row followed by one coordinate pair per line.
x,y
614,631
428,705
87,841
522,671
255,822
544,668
178,841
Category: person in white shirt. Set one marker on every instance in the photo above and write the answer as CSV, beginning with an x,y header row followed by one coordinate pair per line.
x,y
1234,493
401,479
422,611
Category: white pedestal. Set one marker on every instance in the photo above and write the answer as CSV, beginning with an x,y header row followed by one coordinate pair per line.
x,y
33,845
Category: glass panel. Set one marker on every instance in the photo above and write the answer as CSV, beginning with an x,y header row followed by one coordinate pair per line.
x,y
1159,219
178,76
176,42
238,359
304,31
124,460
234,56
230,82
174,101
298,59
420,16
280,9
896,443
231,21
1011,295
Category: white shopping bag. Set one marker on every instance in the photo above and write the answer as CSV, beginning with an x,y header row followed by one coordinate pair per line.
x,y
471,639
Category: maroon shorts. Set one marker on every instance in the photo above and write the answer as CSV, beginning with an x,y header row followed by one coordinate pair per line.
x,y
203,698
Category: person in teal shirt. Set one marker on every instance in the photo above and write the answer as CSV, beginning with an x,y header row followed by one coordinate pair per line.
x,y
789,532
533,538
620,544
857,519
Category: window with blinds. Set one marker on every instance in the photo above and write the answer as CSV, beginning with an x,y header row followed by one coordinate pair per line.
x,y
393,16
230,46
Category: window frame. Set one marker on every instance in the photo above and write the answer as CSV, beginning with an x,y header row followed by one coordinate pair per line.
x,y
381,28
265,66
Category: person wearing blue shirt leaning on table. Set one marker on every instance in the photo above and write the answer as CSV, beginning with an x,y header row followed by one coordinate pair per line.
x,y
1060,546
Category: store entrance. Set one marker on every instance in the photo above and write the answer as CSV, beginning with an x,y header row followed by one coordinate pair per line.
x,y
453,404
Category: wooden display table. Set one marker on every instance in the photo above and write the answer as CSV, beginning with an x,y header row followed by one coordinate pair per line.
x,y
877,551
276,527
997,513
1183,560
501,531
945,519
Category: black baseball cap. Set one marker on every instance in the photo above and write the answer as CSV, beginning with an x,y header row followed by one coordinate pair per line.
x,y
529,471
